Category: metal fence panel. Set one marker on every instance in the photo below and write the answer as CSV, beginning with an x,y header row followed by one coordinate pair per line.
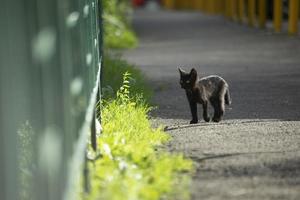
x,y
50,69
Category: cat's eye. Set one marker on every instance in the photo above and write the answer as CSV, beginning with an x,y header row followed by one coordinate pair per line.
x,y
187,81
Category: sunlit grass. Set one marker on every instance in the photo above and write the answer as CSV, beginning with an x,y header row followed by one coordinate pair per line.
x,y
118,33
114,68
131,166
118,37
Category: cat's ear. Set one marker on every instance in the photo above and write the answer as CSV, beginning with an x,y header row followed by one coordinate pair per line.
x,y
193,74
181,71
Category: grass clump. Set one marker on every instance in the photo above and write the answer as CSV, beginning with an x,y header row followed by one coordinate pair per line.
x,y
118,33
114,68
130,166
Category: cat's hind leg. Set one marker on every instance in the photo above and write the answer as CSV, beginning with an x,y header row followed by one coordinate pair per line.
x,y
219,108
205,113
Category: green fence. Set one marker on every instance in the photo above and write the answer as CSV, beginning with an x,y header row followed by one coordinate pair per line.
x,y
49,84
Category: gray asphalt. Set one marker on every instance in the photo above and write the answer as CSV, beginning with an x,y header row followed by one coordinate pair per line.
x,y
254,153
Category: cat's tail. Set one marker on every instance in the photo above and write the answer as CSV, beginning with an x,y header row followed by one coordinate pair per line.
x,y
227,97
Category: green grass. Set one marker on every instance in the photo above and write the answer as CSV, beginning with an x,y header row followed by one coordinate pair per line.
x,y
118,33
131,165
112,78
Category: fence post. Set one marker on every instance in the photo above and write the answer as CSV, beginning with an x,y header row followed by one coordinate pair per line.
x,y
212,6
206,6
293,17
241,10
203,5
220,7
198,5
277,15
251,12
234,9
262,13
227,8
169,4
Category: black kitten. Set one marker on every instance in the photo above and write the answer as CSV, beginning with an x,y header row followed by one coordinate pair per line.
x,y
213,89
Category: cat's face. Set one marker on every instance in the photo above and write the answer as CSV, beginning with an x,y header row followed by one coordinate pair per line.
x,y
187,80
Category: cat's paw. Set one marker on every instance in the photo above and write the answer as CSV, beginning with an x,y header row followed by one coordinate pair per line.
x,y
193,121
216,119
207,119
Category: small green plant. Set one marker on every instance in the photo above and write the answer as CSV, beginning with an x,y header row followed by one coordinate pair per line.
x,y
131,164
114,68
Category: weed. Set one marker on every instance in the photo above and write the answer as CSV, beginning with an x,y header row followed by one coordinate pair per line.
x,y
130,166
114,68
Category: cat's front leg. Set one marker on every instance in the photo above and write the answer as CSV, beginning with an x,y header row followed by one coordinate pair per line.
x,y
193,107
205,115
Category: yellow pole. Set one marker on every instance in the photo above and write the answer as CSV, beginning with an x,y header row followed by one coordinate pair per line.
x,y
206,5
277,15
234,9
293,17
262,13
251,12
187,4
214,6
182,4
171,4
201,4
241,10
227,8
177,4
220,6
230,11
194,4
198,4
210,5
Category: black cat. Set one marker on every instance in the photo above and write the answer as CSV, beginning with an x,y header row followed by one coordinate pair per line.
x,y
213,89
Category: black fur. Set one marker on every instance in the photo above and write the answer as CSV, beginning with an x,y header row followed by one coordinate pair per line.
x,y
213,89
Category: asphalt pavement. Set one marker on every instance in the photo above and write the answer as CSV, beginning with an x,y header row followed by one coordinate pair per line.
x,y
254,153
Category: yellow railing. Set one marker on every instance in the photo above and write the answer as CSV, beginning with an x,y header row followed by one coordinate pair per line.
x,y
293,16
252,12
262,15
277,17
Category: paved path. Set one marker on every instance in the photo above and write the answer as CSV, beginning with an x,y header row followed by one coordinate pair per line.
x,y
255,152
